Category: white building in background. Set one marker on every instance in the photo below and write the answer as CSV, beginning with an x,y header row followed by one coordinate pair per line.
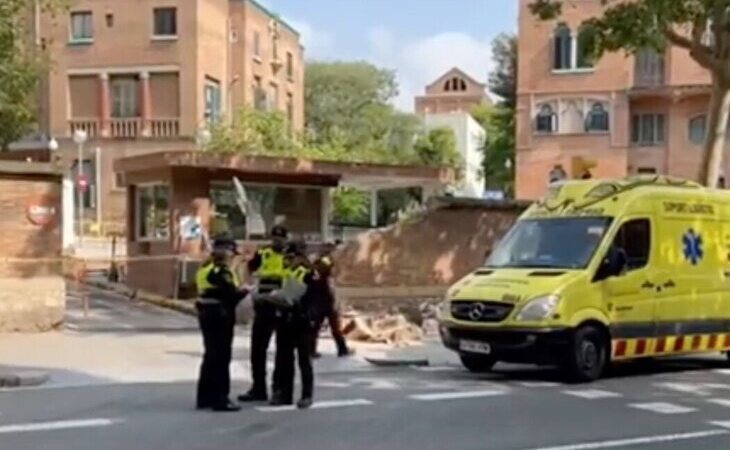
x,y
470,138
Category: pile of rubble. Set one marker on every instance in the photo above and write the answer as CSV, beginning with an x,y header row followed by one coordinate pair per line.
x,y
399,328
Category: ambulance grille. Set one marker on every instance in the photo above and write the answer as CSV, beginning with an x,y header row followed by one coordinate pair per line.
x,y
479,311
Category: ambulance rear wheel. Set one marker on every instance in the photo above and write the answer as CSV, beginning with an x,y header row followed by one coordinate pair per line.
x,y
587,355
477,363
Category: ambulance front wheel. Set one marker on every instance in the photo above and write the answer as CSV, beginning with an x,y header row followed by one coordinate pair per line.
x,y
587,355
477,363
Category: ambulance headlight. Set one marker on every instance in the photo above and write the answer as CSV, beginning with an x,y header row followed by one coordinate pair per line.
x,y
539,308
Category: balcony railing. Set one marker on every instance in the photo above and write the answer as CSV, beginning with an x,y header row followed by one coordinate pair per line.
x,y
125,128
90,126
128,128
164,127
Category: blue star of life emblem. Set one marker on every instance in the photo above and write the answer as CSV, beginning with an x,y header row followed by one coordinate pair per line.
x,y
692,247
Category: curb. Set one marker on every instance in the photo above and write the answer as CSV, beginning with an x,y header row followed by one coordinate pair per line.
x,y
163,302
23,379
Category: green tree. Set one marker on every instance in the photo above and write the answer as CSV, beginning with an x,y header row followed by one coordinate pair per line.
x,y
702,27
503,79
499,119
350,99
21,65
437,147
351,207
257,133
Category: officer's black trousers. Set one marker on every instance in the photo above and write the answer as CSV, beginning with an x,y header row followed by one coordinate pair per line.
x,y
333,317
216,323
264,324
294,338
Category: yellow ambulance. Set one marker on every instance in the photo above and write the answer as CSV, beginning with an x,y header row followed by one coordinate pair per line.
x,y
600,271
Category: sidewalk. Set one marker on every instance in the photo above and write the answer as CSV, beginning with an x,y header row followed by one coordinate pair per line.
x,y
122,341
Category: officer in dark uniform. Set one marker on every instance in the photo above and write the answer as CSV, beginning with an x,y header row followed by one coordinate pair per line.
x,y
268,266
294,334
219,294
326,303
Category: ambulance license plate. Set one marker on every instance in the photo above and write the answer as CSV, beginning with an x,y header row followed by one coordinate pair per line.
x,y
475,347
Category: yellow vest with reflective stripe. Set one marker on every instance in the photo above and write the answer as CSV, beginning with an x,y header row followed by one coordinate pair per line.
x,y
297,273
272,264
201,278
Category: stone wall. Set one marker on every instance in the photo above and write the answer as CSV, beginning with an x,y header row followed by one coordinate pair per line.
x,y
417,259
32,293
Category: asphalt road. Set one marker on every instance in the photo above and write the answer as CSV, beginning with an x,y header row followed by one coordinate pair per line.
x,y
677,405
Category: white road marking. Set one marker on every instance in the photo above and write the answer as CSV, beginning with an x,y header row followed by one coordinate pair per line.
x,y
593,394
328,404
455,395
341,403
721,423
663,408
638,441
719,401
436,368
722,371
331,384
686,388
539,384
59,425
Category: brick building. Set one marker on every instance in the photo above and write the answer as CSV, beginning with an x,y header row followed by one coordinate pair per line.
x,y
608,118
454,91
143,76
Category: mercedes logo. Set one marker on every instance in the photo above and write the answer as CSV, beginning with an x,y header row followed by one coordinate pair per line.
x,y
476,311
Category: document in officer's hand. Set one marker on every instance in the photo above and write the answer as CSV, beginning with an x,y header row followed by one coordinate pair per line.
x,y
289,294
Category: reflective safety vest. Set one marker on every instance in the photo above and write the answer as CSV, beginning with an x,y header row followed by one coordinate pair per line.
x,y
272,264
201,278
297,273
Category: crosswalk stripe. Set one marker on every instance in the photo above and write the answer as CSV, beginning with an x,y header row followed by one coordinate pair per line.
x,y
539,384
662,408
455,395
593,394
630,442
327,404
58,425
436,368
719,401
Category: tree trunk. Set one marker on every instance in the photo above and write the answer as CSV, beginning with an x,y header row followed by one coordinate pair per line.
x,y
717,120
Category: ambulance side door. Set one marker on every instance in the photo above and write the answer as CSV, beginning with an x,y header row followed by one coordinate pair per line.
x,y
631,296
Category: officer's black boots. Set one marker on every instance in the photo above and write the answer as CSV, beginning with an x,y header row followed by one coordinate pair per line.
x,y
253,396
305,403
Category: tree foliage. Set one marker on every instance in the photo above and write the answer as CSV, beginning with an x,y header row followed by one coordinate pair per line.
x,y
503,78
21,64
437,147
702,27
499,119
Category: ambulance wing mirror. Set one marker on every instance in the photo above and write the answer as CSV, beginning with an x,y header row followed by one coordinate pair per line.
x,y
613,265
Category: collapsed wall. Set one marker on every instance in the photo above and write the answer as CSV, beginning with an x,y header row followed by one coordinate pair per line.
x,y
420,257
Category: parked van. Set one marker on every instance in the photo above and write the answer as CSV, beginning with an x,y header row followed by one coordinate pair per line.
x,y
600,271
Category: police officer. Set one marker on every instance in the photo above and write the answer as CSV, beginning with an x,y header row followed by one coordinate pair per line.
x,y
219,294
326,303
268,266
294,334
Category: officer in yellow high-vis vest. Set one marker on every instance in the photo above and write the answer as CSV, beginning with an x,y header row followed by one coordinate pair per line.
x,y
294,332
267,266
219,294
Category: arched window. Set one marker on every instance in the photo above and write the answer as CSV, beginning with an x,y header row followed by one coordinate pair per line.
x,y
462,85
597,118
698,129
584,51
447,86
562,47
546,120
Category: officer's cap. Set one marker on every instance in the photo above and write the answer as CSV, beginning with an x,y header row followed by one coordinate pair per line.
x,y
225,243
279,232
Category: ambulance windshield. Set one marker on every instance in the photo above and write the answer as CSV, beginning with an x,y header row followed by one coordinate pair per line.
x,y
560,243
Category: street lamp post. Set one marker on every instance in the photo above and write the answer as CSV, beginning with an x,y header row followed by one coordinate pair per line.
x,y
80,138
